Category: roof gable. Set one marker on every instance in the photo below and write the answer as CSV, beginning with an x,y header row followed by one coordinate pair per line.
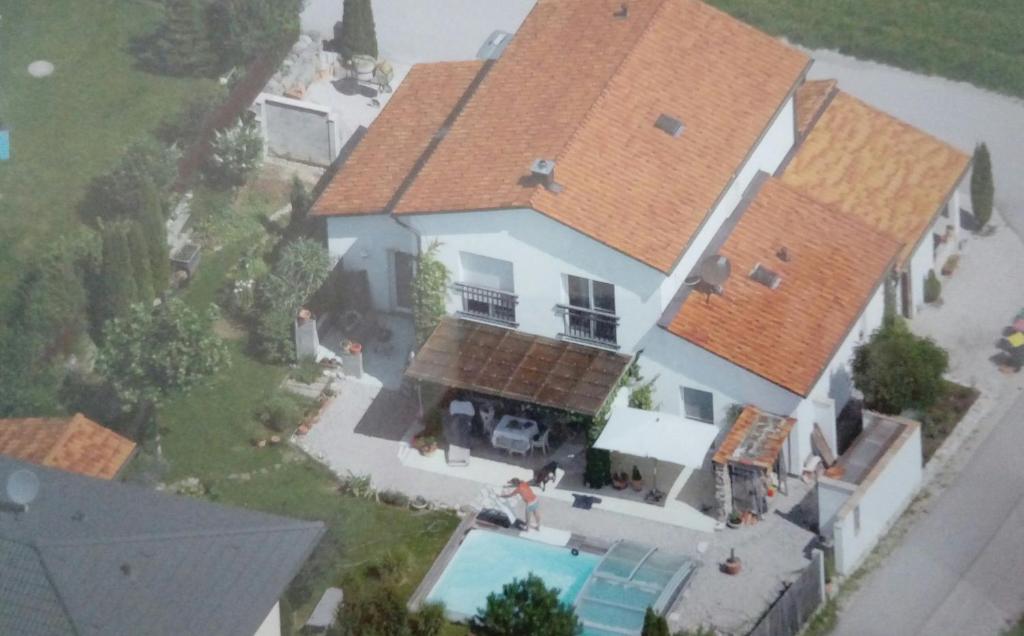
x,y
832,265
864,162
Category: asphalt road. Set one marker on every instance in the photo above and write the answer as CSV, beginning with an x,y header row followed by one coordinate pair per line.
x,y
959,570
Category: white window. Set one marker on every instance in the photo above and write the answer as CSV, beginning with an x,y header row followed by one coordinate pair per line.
x,y
590,314
486,272
698,405
487,287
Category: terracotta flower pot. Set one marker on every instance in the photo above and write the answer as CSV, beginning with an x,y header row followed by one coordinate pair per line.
x,y
637,485
732,566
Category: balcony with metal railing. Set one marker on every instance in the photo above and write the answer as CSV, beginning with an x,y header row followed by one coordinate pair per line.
x,y
590,326
488,305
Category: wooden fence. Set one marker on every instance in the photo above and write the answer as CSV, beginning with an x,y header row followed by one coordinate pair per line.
x,y
797,603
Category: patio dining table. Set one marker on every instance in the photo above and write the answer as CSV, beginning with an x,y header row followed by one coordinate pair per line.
x,y
514,434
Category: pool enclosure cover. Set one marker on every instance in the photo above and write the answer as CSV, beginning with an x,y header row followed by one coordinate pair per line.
x,y
510,364
629,579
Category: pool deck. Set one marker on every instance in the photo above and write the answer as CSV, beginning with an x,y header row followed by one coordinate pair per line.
x,y
362,430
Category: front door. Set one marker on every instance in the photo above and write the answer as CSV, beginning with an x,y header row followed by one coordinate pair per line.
x,y
405,270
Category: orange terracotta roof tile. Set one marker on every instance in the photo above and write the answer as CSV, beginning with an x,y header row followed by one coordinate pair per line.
x,y
811,99
583,88
75,444
380,163
789,334
755,439
885,172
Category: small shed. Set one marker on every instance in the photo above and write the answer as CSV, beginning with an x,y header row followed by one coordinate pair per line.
x,y
747,464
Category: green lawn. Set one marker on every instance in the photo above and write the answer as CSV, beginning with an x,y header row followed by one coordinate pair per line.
x,y
978,42
73,125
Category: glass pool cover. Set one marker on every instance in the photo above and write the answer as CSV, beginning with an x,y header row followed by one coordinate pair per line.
x,y
629,579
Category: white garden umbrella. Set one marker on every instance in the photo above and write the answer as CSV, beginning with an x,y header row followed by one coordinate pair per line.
x,y
658,436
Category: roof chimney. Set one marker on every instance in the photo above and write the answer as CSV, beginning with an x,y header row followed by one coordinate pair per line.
x,y
543,170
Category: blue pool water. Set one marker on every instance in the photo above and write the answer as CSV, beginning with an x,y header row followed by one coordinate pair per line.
x,y
488,560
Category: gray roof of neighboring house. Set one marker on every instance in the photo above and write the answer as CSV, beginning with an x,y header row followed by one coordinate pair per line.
x,y
94,557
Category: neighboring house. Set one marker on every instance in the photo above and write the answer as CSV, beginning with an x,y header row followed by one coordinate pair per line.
x,y
578,185
75,444
92,557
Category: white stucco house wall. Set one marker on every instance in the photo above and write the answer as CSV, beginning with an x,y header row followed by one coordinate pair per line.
x,y
584,208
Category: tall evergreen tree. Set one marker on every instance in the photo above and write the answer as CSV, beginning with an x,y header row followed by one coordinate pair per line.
x,y
181,44
116,288
982,186
150,217
358,34
301,201
138,248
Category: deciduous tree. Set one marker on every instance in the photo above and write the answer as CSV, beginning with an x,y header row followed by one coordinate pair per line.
x,y
897,370
149,352
526,607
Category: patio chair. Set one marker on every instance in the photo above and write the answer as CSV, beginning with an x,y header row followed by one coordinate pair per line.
x,y
541,441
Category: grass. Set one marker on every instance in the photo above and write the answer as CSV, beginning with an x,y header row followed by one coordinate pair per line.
x,y
977,42
72,126
940,420
1016,630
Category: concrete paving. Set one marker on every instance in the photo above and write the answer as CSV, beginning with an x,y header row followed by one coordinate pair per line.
x,y
361,433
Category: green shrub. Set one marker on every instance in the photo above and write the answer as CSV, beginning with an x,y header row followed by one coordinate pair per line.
x,y
897,370
598,473
234,154
356,33
428,621
654,624
429,291
932,288
280,413
183,128
372,611
307,371
982,187
393,498
390,568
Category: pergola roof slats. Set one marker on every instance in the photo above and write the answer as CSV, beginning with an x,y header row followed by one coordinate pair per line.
x,y
498,361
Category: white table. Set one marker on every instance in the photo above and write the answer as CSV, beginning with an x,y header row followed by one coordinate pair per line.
x,y
514,434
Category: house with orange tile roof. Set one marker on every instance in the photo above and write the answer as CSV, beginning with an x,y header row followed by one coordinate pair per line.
x,y
659,181
75,444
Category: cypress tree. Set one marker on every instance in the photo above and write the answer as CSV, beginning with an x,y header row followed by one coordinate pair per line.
x,y
117,289
151,218
139,251
982,186
181,45
358,34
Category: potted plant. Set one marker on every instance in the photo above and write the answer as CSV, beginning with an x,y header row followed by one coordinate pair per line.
x,y
620,481
637,481
735,519
732,565
425,444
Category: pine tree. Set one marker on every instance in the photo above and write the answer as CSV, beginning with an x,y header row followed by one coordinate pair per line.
x,y
143,275
117,288
181,45
357,35
301,201
982,186
150,217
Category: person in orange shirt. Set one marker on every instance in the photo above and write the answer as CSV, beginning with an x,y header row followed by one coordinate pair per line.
x,y
530,498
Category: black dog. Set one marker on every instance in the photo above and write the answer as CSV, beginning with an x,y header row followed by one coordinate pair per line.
x,y
544,474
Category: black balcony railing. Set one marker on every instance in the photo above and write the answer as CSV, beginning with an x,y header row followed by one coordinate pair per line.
x,y
488,304
588,325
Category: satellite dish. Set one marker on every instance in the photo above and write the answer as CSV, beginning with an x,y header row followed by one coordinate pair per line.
x,y
22,487
715,270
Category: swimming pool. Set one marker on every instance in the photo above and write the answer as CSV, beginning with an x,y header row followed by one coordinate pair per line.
x,y
488,560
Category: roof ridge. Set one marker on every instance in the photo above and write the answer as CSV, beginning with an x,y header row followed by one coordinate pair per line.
x,y
53,584
181,534
602,95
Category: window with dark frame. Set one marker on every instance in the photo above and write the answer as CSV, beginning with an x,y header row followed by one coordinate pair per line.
x,y
591,312
698,405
